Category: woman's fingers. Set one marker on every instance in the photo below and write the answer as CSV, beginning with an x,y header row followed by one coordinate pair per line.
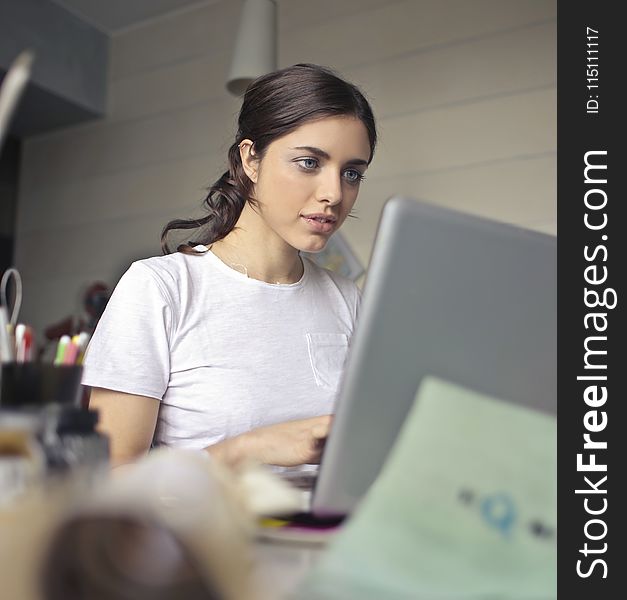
x,y
320,431
287,444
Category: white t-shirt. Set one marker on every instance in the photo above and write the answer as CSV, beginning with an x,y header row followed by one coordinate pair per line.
x,y
223,353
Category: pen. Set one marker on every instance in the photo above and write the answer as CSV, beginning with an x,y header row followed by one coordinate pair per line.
x,y
28,343
6,345
64,340
20,355
83,340
71,351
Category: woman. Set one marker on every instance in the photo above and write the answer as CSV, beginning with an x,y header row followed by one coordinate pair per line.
x,y
235,343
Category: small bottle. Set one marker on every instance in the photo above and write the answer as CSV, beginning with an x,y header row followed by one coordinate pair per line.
x,y
70,440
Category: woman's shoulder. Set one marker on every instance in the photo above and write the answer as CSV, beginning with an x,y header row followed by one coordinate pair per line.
x,y
157,266
169,271
168,263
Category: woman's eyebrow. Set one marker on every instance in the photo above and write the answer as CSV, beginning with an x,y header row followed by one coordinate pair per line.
x,y
322,154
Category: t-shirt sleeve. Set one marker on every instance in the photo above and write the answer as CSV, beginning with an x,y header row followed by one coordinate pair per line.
x,y
130,348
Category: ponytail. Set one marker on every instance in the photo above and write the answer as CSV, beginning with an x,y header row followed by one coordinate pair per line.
x,y
224,202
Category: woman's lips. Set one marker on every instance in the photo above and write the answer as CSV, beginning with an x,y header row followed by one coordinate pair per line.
x,y
319,224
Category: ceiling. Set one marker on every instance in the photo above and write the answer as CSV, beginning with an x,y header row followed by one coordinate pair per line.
x,y
114,16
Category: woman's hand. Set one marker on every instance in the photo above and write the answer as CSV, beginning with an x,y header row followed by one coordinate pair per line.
x,y
285,444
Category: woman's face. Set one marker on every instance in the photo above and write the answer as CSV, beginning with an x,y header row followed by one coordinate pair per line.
x,y
308,180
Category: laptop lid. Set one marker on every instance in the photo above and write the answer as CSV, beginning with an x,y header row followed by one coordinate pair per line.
x,y
467,299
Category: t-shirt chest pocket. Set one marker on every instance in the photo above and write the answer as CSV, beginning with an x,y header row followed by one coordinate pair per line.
x,y
327,354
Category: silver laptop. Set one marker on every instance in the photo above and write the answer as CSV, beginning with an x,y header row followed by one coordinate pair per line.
x,y
470,300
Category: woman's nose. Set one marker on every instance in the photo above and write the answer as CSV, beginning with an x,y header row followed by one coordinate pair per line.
x,y
330,189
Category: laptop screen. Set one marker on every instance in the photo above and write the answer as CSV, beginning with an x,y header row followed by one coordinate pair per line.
x,y
466,299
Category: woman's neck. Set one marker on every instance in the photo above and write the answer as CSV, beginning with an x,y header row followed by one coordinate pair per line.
x,y
259,254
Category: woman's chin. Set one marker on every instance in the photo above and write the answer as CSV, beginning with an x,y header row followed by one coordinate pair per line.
x,y
314,246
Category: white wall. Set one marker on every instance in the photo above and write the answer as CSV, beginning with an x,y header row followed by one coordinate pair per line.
x,y
464,92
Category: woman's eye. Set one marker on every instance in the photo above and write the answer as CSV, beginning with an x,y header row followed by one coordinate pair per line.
x,y
353,176
308,163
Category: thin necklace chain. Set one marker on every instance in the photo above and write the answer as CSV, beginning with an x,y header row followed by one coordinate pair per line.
x,y
243,269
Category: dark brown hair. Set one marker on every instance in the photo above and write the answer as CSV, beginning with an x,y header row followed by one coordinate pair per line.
x,y
274,105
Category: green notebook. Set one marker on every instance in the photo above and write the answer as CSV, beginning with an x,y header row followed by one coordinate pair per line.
x,y
465,507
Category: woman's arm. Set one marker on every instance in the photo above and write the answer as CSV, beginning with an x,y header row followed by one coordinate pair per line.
x,y
286,444
128,420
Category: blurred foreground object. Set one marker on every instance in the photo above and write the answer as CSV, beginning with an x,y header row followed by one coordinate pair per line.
x,y
22,459
175,525
38,444
12,88
465,507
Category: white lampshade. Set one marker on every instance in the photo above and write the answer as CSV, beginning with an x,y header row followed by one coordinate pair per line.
x,y
255,46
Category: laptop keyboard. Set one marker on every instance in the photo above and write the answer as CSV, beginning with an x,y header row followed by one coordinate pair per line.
x,y
303,480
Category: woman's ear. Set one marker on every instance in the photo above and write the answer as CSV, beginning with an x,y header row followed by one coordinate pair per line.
x,y
250,161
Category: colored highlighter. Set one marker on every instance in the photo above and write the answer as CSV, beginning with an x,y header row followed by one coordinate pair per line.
x,y
64,340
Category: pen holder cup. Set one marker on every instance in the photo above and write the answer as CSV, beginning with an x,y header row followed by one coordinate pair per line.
x,y
38,384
